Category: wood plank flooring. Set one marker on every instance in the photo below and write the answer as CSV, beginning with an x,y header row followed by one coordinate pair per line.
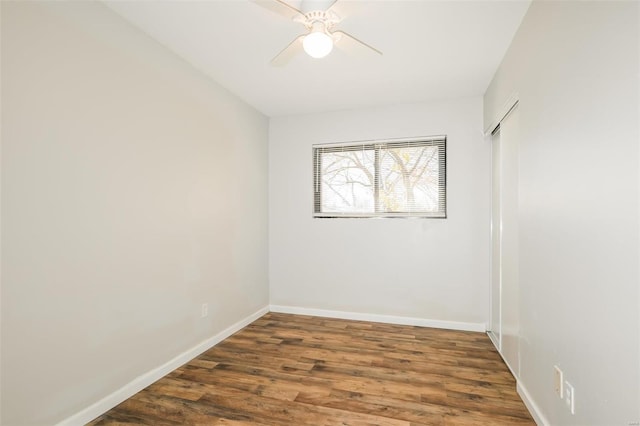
x,y
291,370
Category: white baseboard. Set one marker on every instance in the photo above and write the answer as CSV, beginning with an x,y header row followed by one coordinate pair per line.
x,y
494,340
141,382
533,408
389,319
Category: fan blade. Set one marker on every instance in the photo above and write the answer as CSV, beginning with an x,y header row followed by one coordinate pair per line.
x,y
280,7
294,48
331,5
310,5
346,41
346,8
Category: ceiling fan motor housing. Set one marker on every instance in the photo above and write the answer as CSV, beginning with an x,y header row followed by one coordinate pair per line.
x,y
316,18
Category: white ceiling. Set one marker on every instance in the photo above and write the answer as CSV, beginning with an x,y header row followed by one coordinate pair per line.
x,y
432,49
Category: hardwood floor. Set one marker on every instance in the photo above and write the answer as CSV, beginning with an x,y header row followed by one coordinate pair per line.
x,y
295,370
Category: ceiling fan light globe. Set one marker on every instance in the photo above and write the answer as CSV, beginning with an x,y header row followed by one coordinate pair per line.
x,y
317,44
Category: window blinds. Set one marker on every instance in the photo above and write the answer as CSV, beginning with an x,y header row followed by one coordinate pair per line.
x,y
394,178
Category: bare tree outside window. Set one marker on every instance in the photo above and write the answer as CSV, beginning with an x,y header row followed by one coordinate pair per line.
x,y
347,181
400,178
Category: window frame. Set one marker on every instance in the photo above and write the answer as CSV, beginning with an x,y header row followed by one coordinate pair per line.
x,y
439,141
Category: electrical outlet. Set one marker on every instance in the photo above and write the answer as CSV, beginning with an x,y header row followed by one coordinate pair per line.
x,y
569,397
205,310
558,381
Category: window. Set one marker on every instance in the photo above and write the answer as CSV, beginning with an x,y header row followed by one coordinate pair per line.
x,y
398,178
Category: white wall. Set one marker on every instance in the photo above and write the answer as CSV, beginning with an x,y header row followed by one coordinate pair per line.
x,y
575,68
435,269
133,190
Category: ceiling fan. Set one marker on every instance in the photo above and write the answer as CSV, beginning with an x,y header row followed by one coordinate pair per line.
x,y
321,35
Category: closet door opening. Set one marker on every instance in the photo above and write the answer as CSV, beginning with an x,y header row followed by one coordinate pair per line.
x,y
505,300
496,290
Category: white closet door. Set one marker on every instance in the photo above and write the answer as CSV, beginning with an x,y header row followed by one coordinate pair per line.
x,y
510,302
496,236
